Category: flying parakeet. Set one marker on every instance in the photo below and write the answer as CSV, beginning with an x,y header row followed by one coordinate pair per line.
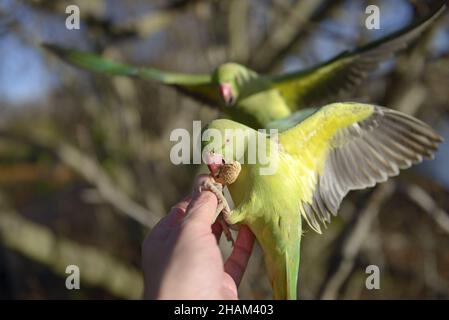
x,y
340,147
254,99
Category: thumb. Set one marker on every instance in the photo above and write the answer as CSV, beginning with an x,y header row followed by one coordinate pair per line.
x,y
203,206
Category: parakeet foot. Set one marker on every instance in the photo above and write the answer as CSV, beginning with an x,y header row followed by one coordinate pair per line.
x,y
226,229
217,189
226,175
223,206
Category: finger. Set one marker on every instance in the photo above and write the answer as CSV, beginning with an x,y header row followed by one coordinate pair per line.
x,y
217,230
237,262
177,212
202,208
183,203
163,228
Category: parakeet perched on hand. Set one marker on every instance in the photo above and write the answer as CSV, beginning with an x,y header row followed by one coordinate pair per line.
x,y
338,148
254,99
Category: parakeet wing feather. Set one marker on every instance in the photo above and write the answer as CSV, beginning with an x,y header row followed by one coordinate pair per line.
x,y
198,86
349,146
327,81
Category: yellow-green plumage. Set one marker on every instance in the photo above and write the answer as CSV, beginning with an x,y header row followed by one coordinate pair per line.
x,y
272,214
341,147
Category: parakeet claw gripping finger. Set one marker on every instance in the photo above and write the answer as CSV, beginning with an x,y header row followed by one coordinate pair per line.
x,y
227,175
226,229
223,206
217,189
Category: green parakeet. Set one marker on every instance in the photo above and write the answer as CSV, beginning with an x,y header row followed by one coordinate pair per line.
x,y
254,99
340,147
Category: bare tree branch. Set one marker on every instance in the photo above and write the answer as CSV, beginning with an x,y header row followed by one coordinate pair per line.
x,y
420,197
93,173
289,30
238,30
353,235
39,243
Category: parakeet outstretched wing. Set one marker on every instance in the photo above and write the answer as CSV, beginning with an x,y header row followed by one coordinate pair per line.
x,y
320,84
349,146
198,86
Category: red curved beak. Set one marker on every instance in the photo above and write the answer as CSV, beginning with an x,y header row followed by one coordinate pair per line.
x,y
226,93
214,162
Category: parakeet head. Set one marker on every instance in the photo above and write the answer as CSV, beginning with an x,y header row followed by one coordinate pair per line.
x,y
224,141
230,77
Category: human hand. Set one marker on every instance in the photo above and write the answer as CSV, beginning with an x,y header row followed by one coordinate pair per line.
x,y
181,257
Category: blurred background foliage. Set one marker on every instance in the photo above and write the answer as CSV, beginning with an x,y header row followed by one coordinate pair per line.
x,y
84,158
